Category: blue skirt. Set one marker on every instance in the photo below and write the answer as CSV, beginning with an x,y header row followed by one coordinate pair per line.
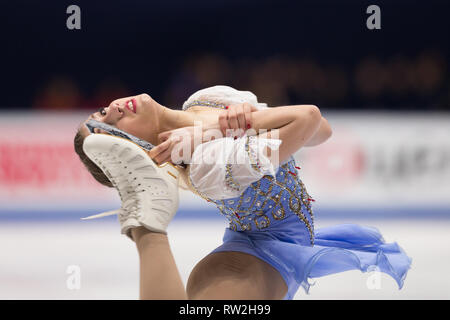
x,y
336,249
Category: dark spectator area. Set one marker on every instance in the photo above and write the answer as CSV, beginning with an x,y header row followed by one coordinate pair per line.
x,y
286,52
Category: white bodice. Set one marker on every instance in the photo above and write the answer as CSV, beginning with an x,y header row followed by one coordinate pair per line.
x,y
223,168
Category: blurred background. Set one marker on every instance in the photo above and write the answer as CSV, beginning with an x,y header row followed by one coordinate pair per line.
x,y
385,92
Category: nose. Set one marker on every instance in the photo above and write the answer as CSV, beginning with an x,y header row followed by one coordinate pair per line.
x,y
115,112
116,107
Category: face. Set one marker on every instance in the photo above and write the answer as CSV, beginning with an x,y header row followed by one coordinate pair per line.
x,y
130,114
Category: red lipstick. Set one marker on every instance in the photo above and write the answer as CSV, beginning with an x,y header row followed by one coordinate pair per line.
x,y
131,106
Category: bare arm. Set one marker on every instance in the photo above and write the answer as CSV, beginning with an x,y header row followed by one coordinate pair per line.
x,y
322,134
298,125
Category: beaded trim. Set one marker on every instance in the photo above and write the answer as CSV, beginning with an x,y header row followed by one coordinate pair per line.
x,y
297,209
204,103
253,160
307,204
229,178
261,220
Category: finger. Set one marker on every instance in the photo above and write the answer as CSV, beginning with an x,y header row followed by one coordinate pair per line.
x,y
223,122
163,136
248,115
159,148
241,117
166,155
164,152
232,119
253,108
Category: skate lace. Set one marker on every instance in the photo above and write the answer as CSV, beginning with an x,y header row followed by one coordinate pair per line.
x,y
128,187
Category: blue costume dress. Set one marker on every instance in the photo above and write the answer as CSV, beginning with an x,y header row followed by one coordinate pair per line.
x,y
273,220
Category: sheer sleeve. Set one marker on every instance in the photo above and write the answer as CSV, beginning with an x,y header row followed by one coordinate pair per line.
x,y
224,168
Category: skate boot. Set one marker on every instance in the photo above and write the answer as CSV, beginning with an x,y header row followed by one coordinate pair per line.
x,y
149,192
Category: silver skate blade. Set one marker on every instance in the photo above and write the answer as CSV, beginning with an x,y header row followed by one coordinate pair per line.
x,y
101,215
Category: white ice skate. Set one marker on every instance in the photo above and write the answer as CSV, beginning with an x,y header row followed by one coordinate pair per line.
x,y
149,192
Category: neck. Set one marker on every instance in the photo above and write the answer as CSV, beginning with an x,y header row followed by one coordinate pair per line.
x,y
174,119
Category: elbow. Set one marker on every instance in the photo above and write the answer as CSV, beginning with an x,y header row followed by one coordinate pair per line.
x,y
316,117
321,124
315,113
309,116
312,113
328,132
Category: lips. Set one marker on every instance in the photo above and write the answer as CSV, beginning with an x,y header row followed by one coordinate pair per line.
x,y
131,105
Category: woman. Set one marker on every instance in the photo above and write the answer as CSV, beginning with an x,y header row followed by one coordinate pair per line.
x,y
271,247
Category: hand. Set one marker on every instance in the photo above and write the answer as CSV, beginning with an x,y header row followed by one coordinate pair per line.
x,y
236,119
176,146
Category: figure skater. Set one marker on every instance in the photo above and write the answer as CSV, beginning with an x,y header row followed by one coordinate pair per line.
x,y
270,248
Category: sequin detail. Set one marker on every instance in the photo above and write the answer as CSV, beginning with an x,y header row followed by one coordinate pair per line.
x,y
252,157
204,103
230,182
285,195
